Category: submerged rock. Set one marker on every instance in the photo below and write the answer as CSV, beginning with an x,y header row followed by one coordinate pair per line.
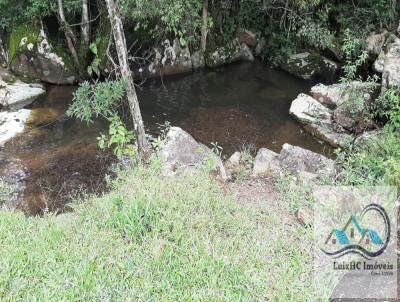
x,y
232,52
308,65
180,152
12,124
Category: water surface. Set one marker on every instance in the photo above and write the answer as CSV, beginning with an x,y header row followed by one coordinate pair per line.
x,y
238,106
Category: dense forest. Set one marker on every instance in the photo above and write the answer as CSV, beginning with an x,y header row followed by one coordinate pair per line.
x,y
113,185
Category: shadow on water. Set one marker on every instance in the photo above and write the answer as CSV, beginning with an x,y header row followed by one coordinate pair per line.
x,y
237,105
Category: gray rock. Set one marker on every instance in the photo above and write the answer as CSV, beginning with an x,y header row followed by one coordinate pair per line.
x,y
318,120
167,60
258,51
308,65
247,37
41,62
329,95
308,110
391,69
12,124
234,160
180,152
349,101
296,159
330,133
17,95
368,137
375,42
198,60
232,52
379,63
266,162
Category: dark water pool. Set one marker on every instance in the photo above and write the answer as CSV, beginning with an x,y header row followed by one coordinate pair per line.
x,y
236,106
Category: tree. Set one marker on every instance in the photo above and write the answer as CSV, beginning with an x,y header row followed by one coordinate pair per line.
x,y
204,30
126,74
85,27
69,34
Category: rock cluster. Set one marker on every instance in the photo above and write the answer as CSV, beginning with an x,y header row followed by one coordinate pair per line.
x,y
40,61
14,96
336,113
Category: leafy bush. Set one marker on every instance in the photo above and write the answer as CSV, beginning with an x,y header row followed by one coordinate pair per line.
x,y
101,99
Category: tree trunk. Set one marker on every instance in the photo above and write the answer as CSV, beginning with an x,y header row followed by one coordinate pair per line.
x,y
3,53
85,27
204,31
69,35
122,51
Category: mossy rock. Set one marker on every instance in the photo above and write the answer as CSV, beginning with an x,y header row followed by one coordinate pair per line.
x,y
32,57
232,52
308,65
23,39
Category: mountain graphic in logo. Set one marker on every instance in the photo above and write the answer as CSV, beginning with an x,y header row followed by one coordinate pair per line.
x,y
351,232
355,239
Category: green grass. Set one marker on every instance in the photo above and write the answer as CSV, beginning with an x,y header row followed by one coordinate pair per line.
x,y
155,239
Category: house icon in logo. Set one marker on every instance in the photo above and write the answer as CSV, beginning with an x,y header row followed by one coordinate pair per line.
x,y
353,233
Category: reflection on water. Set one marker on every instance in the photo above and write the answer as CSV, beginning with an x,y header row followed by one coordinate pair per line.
x,y
239,104
235,105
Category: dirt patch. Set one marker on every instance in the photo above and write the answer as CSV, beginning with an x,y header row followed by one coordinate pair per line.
x,y
261,193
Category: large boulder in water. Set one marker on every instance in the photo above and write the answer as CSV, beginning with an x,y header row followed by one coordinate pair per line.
x,y
232,52
308,110
167,60
34,57
350,102
180,152
318,120
308,65
14,94
12,124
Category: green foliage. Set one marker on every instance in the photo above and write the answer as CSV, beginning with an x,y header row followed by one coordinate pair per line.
x,y
21,39
355,55
217,149
163,130
94,67
314,35
165,18
119,138
376,162
99,99
156,239
389,106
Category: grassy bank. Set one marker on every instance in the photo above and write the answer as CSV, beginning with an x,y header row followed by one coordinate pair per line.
x,y
156,239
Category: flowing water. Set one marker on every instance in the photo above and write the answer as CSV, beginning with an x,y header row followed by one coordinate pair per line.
x,y
237,106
